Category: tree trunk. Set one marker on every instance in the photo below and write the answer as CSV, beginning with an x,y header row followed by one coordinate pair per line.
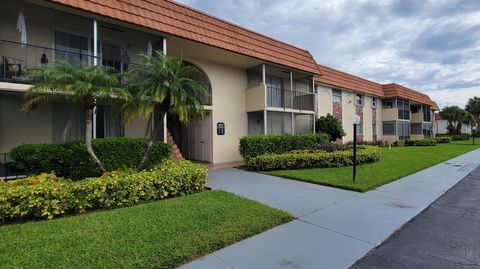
x,y
88,137
153,136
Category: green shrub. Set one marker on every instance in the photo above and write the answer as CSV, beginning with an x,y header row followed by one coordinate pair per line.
x,y
267,162
420,142
443,140
254,145
331,126
443,135
460,137
71,160
55,197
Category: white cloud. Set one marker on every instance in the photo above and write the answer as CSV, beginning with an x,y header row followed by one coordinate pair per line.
x,y
430,46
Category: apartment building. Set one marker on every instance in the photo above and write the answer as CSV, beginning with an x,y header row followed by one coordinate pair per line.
x,y
257,85
388,112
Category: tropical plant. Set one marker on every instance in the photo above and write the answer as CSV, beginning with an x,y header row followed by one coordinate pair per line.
x,y
453,115
330,125
164,84
80,85
473,106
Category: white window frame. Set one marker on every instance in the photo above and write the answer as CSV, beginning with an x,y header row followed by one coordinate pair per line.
x,y
361,98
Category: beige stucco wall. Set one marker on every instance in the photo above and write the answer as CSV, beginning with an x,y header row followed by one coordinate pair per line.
x,y
390,114
379,120
416,136
416,117
228,106
348,109
255,98
324,100
17,126
390,139
367,119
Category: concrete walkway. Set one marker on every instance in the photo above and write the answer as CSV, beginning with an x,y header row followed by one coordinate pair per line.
x,y
334,228
446,235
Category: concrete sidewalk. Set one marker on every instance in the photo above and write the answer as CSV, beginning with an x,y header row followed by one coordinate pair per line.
x,y
334,228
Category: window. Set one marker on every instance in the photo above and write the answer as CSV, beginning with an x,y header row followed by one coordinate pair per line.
x,y
416,128
71,48
374,102
360,128
403,109
336,95
358,99
403,130
279,122
389,128
274,91
390,103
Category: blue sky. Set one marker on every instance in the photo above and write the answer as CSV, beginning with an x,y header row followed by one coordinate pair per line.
x,y
430,46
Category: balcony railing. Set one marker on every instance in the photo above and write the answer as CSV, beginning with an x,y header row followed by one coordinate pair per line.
x,y
15,60
290,99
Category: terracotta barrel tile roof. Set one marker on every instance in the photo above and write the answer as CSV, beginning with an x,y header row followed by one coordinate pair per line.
x,y
182,21
341,79
438,117
394,90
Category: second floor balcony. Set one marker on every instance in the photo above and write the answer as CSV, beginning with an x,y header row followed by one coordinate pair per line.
x,y
273,88
17,59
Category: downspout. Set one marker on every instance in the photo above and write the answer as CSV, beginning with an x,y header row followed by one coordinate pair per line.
x,y
264,79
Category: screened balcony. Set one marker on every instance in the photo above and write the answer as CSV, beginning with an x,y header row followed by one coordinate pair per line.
x,y
273,87
16,59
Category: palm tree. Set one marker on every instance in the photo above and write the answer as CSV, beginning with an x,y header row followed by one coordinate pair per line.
x,y
165,84
78,84
453,115
473,106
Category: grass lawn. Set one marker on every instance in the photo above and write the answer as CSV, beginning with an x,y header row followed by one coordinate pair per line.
x,y
395,163
161,234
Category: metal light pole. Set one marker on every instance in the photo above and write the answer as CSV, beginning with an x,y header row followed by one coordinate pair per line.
x,y
474,133
355,122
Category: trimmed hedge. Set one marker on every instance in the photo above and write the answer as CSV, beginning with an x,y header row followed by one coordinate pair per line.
x,y
255,145
71,159
420,142
461,137
267,162
443,140
46,196
457,137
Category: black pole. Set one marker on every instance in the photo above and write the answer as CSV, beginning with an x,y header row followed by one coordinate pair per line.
x,y
354,152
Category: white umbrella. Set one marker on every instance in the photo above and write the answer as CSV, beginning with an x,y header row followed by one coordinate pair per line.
x,y
149,48
22,29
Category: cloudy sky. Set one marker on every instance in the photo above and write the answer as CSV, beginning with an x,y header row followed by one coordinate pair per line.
x,y
431,46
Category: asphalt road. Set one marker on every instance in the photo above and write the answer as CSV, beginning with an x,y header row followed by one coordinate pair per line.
x,y
446,235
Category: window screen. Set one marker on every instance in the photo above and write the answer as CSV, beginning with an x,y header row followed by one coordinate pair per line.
x,y
403,130
389,128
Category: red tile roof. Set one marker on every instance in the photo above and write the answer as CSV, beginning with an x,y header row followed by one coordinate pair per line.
x,y
435,106
341,79
438,117
394,90
183,21
344,80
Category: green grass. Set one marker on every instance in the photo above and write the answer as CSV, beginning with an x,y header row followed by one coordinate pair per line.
x,y
161,234
395,163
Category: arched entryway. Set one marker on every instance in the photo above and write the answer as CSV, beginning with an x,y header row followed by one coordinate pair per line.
x,y
195,139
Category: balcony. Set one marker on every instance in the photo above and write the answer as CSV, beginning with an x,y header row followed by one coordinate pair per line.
x,y
417,117
16,60
280,98
278,89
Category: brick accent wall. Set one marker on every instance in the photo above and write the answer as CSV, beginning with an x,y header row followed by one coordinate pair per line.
x,y
337,110
359,111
